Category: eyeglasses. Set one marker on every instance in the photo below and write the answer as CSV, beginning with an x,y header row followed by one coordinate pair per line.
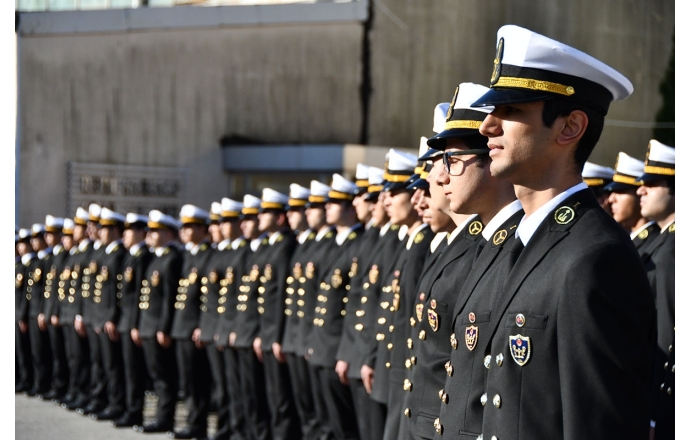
x,y
455,167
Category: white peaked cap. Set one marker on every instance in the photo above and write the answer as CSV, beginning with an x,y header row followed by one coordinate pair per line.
x,y
376,176
81,216
194,214
272,199
158,220
423,147
54,224
299,192
37,228
230,207
659,152
362,172
318,189
594,171
250,204
24,233
133,218
68,226
440,112
660,162
628,166
341,188
109,217
399,161
216,208
94,212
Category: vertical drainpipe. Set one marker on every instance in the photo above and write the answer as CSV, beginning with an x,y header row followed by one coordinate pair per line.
x,y
365,88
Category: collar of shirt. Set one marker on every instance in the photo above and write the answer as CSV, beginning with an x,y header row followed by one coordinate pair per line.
x,y
195,247
236,243
528,225
44,252
159,250
57,249
188,246
635,233
273,237
437,240
135,248
73,250
342,236
112,246
26,258
97,244
302,237
402,232
257,241
224,244
384,229
323,232
668,226
500,218
413,234
369,224
460,227
84,244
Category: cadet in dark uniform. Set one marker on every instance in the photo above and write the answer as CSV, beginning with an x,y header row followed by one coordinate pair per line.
x,y
330,309
625,204
192,361
37,270
60,379
658,203
597,177
21,311
70,314
107,313
134,264
297,365
306,288
156,310
245,332
577,294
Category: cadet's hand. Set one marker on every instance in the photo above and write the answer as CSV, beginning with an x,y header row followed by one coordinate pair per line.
x,y
22,326
55,321
278,352
163,339
42,322
231,339
79,327
341,368
257,349
367,377
196,337
134,334
111,329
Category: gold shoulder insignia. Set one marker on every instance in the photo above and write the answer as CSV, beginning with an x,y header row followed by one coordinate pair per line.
x,y
166,251
280,238
500,237
329,234
672,228
643,235
203,247
116,248
564,215
312,236
243,243
352,235
395,227
418,238
264,241
475,227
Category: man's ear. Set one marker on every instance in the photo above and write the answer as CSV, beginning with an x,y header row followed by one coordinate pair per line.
x,y
573,127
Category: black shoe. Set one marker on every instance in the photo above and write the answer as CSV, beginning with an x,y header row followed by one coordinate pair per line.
x,y
30,392
92,408
126,420
62,399
187,433
21,387
108,413
155,427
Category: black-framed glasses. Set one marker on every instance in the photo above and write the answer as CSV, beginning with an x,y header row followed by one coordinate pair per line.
x,y
454,168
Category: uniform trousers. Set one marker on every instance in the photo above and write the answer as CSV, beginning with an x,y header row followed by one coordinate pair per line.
x,y
160,362
371,415
22,350
396,399
339,404
193,374
324,431
254,395
219,397
40,357
98,392
135,376
284,419
111,357
304,399
60,379
78,363
239,429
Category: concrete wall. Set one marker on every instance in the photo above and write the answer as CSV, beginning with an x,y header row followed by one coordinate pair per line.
x,y
421,50
160,86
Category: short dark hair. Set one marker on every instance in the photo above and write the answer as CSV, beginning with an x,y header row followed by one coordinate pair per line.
x,y
477,141
556,107
671,181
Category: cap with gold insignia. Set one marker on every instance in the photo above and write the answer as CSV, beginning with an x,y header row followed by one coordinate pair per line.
x,y
399,169
318,193
111,218
375,184
230,209
94,212
38,229
362,178
251,205
68,227
342,190
660,162
440,112
628,169
215,212
81,217
193,215
24,235
158,220
54,224
597,176
299,196
136,221
462,119
530,67
272,199
418,179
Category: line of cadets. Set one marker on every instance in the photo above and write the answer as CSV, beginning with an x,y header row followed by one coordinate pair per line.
x,y
359,310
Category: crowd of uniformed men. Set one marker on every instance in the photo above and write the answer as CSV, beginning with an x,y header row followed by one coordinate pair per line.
x,y
476,291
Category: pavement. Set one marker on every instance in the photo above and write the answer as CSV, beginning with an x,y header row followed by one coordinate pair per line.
x,y
36,419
